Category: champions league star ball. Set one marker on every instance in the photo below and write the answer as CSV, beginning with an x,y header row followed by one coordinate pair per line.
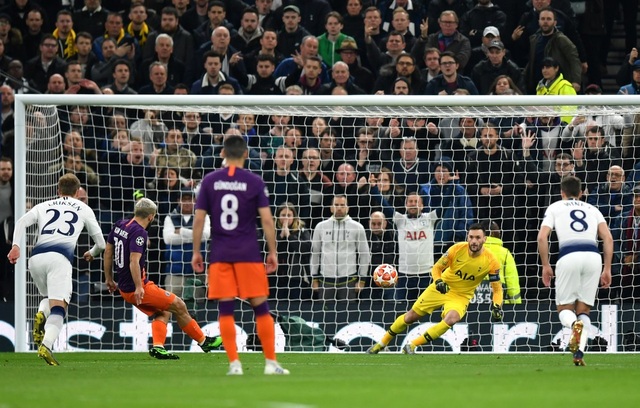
x,y
385,276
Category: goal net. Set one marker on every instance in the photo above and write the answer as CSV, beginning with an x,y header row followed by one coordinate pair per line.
x,y
469,159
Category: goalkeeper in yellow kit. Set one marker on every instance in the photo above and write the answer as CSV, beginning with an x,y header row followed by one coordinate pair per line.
x,y
456,276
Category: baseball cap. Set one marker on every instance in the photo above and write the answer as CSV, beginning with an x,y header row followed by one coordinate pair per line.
x,y
491,30
496,44
5,16
550,62
636,189
636,65
291,7
592,89
348,45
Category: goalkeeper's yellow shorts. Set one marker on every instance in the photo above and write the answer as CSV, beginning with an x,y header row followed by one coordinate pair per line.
x,y
431,300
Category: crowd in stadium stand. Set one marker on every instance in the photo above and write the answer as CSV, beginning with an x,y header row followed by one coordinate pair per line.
x,y
469,169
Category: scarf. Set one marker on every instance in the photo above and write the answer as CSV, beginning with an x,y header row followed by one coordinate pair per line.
x,y
120,36
142,35
69,49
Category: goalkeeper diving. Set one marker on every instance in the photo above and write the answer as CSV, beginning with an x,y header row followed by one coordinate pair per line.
x,y
456,276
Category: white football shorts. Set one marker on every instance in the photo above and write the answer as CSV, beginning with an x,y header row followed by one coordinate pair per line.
x,y
578,277
52,274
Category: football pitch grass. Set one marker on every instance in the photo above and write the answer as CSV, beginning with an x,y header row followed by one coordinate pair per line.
x,y
320,380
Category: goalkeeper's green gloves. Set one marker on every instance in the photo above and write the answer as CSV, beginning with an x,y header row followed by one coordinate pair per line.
x,y
441,286
496,312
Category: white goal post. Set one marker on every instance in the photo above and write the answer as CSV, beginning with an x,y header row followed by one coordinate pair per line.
x,y
530,325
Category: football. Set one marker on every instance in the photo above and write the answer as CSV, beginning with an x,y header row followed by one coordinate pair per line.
x,y
385,276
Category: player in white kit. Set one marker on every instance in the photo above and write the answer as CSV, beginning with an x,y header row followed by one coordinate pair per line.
x,y
579,268
60,222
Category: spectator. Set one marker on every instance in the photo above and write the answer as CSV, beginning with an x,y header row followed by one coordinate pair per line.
x,y
389,190
165,189
405,66
196,138
359,199
415,11
437,7
56,84
331,40
410,171
182,44
377,59
353,20
84,54
340,256
432,65
4,58
449,199
415,231
530,24
231,61
292,280
367,157
65,35
496,64
174,155
448,38
548,41
216,13
613,196
11,38
121,78
311,13
504,85
383,242
493,181
32,36
164,53
194,16
632,88
115,30
401,24
449,81
263,82
138,28
480,52
592,165
626,234
612,124
158,75
284,185
268,43
308,77
214,77
177,234
35,72
7,98
458,148
484,14
91,18
150,129
7,213
316,183
308,48
290,38
266,14
16,80
248,36
360,75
